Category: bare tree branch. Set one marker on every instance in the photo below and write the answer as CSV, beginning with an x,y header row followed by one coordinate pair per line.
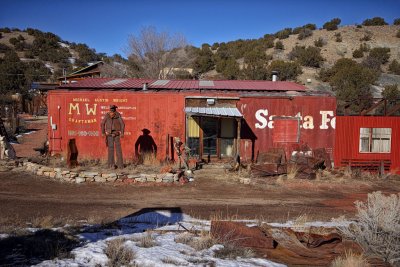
x,y
155,54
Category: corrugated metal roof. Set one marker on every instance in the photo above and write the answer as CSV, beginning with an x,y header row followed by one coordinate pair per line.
x,y
206,83
115,82
217,112
234,85
160,82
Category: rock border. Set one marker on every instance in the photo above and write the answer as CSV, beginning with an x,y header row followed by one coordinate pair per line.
x,y
99,176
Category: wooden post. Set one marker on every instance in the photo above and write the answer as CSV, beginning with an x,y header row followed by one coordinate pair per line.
x,y
238,137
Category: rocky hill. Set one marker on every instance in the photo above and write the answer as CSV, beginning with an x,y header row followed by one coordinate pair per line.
x,y
47,52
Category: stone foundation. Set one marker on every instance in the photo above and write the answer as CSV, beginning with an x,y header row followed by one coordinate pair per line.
x,y
70,176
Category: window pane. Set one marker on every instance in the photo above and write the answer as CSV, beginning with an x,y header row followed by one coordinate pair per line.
x,y
193,127
364,139
226,147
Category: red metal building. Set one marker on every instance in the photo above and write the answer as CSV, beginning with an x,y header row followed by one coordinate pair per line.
x,y
369,142
207,114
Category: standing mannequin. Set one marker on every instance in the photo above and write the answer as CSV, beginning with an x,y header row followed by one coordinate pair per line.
x,y
112,126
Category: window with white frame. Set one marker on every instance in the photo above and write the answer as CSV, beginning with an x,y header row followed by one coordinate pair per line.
x,y
375,140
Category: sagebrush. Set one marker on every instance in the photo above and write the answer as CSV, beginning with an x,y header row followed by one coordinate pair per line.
x,y
377,227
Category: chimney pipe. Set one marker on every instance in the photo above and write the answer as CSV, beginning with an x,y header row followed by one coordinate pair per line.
x,y
145,86
274,75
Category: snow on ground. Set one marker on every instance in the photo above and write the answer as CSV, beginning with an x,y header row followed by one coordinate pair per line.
x,y
164,227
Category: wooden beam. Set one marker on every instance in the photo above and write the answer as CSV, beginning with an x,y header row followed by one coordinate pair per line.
x,y
374,106
393,110
238,136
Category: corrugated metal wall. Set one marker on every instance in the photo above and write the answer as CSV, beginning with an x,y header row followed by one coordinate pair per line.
x,y
347,139
316,115
80,113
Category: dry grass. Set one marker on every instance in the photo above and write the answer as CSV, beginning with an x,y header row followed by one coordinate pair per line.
x,y
118,254
184,238
301,220
48,221
292,171
224,216
204,241
169,260
350,260
231,251
150,159
145,241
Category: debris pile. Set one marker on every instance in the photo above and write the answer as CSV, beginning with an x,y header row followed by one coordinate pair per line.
x,y
285,245
302,164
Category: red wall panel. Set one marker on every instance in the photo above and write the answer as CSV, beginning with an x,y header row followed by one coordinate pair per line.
x,y
80,113
347,139
317,122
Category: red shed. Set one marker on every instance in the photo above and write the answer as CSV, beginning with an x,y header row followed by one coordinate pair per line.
x,y
207,114
368,142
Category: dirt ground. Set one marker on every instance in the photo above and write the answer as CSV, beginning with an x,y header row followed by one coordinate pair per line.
x,y
24,196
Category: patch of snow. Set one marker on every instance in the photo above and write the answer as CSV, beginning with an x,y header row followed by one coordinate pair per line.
x,y
168,224
3,236
50,67
63,44
72,60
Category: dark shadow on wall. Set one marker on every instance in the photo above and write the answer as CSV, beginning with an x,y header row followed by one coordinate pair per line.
x,y
247,133
145,144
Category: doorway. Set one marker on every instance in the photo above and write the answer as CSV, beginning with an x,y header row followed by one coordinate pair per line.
x,y
211,137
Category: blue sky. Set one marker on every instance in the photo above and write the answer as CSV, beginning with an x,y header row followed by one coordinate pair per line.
x,y
106,25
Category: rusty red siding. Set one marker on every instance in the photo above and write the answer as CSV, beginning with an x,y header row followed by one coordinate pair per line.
x,y
316,116
78,115
347,139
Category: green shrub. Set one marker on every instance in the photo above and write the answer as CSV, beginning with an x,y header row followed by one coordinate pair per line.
x,y
286,70
4,48
358,53
320,42
372,63
351,81
332,24
279,45
382,54
367,36
310,56
215,46
13,41
338,37
283,34
5,30
309,26
304,33
394,67
376,21
391,92
396,21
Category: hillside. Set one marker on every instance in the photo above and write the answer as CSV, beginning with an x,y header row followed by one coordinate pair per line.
x,y
334,45
47,52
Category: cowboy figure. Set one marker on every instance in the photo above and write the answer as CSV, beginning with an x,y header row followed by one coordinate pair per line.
x,y
112,126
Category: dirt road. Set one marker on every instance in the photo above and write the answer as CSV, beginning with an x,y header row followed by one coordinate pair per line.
x,y
26,196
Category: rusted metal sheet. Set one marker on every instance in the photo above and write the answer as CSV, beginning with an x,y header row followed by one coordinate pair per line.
x,y
232,85
316,116
347,141
77,115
